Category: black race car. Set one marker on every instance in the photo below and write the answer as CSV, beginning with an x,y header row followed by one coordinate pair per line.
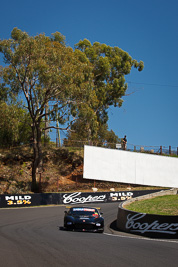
x,y
84,219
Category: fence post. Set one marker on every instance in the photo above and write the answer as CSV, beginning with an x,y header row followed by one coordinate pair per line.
x,y
161,150
57,142
169,150
141,149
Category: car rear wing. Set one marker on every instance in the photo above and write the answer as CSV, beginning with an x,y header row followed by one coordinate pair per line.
x,y
98,208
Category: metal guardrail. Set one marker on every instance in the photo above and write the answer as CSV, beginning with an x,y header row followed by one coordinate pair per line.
x,y
159,150
79,145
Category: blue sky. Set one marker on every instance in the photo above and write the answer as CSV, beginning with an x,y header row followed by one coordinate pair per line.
x,y
147,30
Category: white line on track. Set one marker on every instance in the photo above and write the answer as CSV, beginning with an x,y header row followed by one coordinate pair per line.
x,y
143,238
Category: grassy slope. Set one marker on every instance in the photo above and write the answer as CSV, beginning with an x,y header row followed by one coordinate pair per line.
x,y
163,205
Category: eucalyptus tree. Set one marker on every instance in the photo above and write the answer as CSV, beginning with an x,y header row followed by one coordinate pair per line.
x,y
46,72
110,65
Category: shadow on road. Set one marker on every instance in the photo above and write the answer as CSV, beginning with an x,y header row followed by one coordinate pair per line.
x,y
113,226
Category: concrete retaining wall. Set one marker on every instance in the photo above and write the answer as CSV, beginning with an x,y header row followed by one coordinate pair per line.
x,y
148,225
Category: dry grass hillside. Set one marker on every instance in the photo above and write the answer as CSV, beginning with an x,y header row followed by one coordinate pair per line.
x,y
62,172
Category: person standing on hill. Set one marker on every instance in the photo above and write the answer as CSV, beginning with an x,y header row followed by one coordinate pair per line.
x,y
124,143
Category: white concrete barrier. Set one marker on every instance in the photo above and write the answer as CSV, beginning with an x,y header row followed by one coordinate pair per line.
x,y
130,167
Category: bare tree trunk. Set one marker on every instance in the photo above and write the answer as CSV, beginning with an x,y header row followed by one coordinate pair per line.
x,y
37,156
58,133
34,163
46,124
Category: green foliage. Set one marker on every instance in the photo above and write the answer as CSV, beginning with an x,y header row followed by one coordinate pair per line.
x,y
110,65
103,136
45,70
108,137
14,125
58,37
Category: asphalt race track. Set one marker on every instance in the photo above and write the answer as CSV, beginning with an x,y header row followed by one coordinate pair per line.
x,y
34,237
